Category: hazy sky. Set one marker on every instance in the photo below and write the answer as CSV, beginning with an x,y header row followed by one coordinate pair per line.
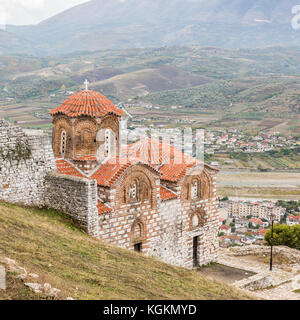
x,y
32,11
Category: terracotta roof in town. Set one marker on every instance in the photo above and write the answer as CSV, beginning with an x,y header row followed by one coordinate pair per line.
x,y
87,103
293,218
64,167
262,232
166,194
258,221
102,208
225,227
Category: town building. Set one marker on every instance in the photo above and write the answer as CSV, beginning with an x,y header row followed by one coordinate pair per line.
x,y
261,210
292,220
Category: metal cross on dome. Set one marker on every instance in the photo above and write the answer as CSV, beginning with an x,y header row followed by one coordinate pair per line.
x,y
86,83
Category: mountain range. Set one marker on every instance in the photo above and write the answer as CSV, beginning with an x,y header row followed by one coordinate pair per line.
x,y
121,24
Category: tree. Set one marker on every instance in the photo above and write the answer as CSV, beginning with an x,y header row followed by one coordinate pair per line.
x,y
225,198
285,235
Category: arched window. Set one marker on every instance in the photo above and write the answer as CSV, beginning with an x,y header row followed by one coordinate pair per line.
x,y
133,192
194,190
198,219
86,138
63,143
138,231
107,143
195,221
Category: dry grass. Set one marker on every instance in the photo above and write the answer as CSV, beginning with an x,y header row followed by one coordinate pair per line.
x,y
17,291
46,243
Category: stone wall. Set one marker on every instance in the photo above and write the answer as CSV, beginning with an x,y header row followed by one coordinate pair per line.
x,y
25,158
75,197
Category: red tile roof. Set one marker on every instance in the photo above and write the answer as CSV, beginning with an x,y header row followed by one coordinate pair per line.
x,y
166,194
173,164
262,232
110,171
102,208
293,218
88,103
174,172
64,167
225,227
170,163
257,221
156,152
85,158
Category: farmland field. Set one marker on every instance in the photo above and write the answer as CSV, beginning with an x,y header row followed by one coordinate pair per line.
x,y
268,185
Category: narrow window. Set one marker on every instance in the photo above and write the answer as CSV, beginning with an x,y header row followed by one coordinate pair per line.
x,y
195,252
195,221
107,144
194,190
133,192
63,143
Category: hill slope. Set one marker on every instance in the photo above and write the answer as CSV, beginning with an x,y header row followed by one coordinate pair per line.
x,y
148,80
47,244
114,24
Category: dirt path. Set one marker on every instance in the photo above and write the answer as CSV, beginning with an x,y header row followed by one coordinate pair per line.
x,y
285,275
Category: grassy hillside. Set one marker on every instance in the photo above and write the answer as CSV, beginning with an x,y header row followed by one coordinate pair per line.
x,y
45,243
142,82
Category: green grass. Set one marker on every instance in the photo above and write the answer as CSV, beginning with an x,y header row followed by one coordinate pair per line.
x,y
46,243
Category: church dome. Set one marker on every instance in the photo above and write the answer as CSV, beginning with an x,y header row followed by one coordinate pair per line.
x,y
87,103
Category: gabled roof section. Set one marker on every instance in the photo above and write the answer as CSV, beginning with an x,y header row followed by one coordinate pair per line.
x,y
87,103
156,152
110,172
103,208
64,167
166,194
174,172
172,163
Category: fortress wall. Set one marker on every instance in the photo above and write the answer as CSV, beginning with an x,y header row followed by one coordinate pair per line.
x,y
75,197
25,158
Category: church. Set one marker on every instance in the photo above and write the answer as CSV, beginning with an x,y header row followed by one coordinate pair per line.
x,y
147,200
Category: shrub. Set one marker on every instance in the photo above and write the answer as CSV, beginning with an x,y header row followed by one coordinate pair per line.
x,y
285,235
